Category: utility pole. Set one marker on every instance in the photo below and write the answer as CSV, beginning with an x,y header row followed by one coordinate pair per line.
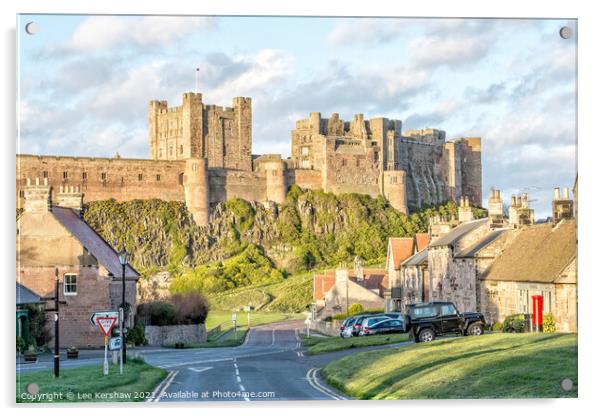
x,y
123,259
57,302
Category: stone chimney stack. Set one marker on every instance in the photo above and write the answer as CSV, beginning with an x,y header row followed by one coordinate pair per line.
x,y
70,197
464,210
496,209
562,208
37,196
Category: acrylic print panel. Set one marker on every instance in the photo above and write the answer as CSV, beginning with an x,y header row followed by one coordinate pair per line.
x,y
296,208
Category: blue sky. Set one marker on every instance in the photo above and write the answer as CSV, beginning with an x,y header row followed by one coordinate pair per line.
x,y
85,83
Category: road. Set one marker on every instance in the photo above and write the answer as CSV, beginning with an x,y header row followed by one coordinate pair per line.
x,y
270,365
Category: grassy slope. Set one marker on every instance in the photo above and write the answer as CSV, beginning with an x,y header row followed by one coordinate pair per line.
x,y
137,377
319,345
490,366
257,318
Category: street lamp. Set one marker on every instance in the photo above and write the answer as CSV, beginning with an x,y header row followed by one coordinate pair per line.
x,y
123,259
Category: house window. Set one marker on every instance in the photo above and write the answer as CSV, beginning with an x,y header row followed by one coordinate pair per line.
x,y
84,176
547,301
70,285
523,301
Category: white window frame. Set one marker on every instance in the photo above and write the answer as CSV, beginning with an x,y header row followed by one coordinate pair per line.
x,y
65,284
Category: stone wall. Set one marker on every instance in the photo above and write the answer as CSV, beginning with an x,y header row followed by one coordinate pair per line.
x,y
168,335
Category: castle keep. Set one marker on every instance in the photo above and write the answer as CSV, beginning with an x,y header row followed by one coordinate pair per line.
x,y
201,154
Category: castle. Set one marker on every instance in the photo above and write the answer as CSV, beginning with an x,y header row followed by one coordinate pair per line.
x,y
201,154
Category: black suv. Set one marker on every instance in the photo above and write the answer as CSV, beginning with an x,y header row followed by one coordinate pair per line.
x,y
427,320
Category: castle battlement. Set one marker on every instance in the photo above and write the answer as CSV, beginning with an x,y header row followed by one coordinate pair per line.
x,y
201,154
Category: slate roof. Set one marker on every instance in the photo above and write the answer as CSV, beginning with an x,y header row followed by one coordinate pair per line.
x,y
26,296
93,242
402,248
458,232
538,254
482,243
418,258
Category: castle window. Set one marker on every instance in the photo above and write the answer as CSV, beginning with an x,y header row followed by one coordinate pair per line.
x,y
357,163
140,177
181,179
70,284
103,176
65,175
181,149
158,178
305,150
305,164
170,150
21,194
160,152
45,174
85,176
344,162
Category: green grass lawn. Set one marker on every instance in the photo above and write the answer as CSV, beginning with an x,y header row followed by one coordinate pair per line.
x,y
489,366
84,383
319,345
216,318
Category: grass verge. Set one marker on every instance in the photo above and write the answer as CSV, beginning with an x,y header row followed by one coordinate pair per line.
x,y
216,342
88,384
318,345
257,318
489,366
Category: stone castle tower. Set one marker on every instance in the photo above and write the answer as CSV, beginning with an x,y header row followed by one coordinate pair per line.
x,y
200,154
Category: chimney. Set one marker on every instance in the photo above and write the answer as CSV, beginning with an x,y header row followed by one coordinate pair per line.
x,y
70,197
525,203
556,193
513,201
566,193
562,208
464,210
37,196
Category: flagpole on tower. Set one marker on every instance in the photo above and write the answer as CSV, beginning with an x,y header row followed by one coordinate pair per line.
x,y
196,81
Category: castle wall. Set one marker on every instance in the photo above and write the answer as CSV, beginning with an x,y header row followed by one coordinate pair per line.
x,y
105,178
305,178
228,184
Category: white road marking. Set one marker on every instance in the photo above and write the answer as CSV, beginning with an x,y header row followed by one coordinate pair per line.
x,y
160,389
313,381
273,336
238,379
236,371
199,370
300,354
242,388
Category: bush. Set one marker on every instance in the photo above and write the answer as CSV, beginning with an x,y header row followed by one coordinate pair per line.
x,y
190,308
514,323
497,326
136,335
355,309
159,312
549,323
21,345
38,330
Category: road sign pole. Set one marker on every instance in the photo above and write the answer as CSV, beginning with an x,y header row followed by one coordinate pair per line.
x,y
106,362
121,316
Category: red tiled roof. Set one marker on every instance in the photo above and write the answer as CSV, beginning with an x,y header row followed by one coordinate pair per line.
x,y
322,284
402,248
422,240
93,242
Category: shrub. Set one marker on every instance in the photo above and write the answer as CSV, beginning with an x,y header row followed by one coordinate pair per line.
x,y
38,330
21,345
136,335
549,323
514,323
497,326
190,308
159,312
355,309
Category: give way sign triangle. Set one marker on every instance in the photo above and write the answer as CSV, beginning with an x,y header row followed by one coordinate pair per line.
x,y
106,323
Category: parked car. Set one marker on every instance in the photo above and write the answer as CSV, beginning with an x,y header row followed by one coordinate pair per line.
x,y
425,321
368,321
345,329
388,326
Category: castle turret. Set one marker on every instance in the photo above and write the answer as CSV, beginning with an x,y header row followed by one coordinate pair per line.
x,y
275,180
70,197
37,196
196,189
394,188
315,119
464,210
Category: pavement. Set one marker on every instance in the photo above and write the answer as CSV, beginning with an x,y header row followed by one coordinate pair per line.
x,y
270,365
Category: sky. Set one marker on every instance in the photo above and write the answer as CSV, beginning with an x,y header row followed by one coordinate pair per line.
x,y
85,83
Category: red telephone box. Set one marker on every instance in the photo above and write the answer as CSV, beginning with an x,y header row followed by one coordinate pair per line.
x,y
537,319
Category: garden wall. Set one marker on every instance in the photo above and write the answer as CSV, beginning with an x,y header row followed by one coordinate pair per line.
x,y
168,335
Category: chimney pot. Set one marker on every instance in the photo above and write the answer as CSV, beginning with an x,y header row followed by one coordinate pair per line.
x,y
556,193
566,193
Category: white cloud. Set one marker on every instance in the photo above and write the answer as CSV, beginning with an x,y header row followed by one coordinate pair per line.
x,y
366,31
106,32
437,50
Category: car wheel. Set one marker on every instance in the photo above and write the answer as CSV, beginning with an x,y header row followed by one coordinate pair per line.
x,y
426,335
475,329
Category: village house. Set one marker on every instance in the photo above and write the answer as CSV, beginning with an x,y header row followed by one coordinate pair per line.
x,y
335,290
54,242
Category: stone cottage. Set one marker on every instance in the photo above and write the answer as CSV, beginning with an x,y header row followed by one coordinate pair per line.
x,y
53,241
